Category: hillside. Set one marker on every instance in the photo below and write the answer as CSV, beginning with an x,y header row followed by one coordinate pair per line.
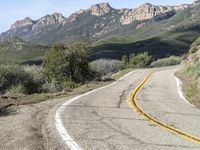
x,y
112,33
93,24
190,74
18,51
162,38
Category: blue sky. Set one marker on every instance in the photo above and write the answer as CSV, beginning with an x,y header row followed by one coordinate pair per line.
x,y
12,10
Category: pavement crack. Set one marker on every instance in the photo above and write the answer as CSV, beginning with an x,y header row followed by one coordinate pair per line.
x,y
123,95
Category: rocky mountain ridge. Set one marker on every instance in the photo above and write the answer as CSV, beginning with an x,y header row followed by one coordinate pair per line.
x,y
143,12
95,22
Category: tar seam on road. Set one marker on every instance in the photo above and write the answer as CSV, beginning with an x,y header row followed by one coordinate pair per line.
x,y
68,140
132,101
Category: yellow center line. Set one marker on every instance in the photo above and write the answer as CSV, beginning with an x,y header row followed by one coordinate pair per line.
x,y
132,101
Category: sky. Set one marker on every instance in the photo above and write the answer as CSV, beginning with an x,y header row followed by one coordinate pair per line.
x,y
13,10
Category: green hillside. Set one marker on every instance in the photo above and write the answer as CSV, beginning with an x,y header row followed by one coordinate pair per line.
x,y
18,51
162,38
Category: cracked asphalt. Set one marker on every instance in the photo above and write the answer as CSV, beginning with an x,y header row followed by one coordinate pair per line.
x,y
104,120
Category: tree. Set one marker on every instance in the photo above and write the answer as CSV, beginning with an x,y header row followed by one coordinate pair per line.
x,y
78,62
55,64
67,63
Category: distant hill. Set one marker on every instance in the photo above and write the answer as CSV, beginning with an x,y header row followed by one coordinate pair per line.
x,y
18,51
111,33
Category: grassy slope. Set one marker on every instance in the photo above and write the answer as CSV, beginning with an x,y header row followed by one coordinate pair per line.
x,y
190,75
161,39
18,51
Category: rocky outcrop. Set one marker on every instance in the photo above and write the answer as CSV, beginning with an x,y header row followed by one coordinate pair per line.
x,y
148,11
55,18
100,9
97,21
22,23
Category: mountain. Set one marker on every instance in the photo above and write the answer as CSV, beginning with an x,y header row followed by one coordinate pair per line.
x,y
16,50
92,24
111,33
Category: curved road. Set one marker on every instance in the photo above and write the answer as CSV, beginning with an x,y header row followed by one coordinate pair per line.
x,y
103,120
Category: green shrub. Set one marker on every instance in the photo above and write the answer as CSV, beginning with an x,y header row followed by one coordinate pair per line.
x,y
67,63
15,75
51,87
195,46
172,60
105,67
70,84
15,91
125,61
137,61
194,69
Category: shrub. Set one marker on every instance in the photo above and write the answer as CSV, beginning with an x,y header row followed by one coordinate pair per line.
x,y
172,60
36,74
195,46
15,75
70,84
140,60
67,63
125,61
51,87
15,91
194,69
105,67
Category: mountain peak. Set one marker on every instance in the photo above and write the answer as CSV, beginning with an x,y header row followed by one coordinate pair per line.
x,y
24,22
100,9
147,4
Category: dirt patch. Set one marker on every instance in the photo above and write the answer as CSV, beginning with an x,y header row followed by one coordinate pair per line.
x,y
24,127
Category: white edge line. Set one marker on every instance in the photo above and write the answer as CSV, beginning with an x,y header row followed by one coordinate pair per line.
x,y
180,91
68,140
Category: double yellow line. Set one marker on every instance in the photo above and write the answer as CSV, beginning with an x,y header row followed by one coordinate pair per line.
x,y
132,101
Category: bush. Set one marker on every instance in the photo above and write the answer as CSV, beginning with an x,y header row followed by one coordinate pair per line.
x,y
105,67
137,61
172,60
195,46
15,91
195,69
140,60
70,84
67,63
13,76
36,74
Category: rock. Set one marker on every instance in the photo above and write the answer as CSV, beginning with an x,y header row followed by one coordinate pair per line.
x,y
148,11
55,18
100,9
21,23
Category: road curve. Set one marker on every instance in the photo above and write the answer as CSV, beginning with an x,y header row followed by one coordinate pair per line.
x,y
103,119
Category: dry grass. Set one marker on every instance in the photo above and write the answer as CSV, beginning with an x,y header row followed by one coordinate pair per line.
x,y
36,98
190,87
